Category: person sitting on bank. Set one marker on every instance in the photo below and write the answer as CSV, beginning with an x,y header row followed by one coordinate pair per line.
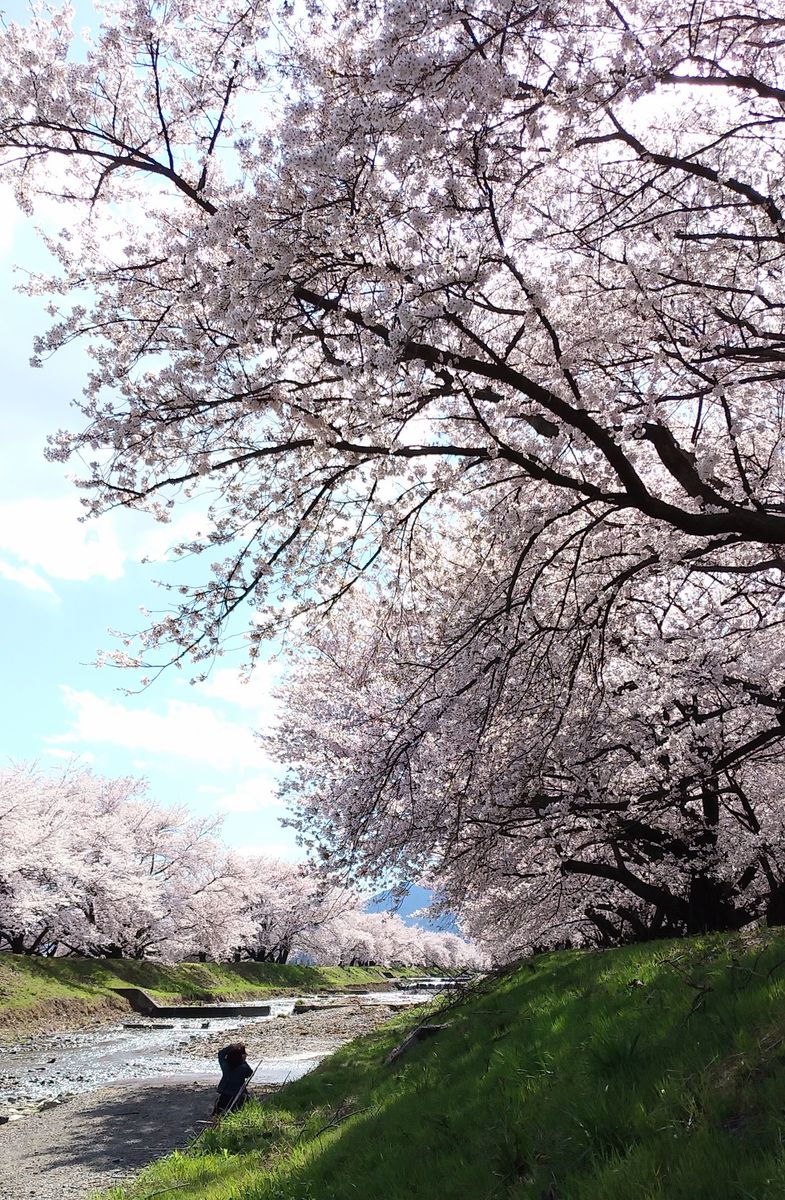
x,y
235,1073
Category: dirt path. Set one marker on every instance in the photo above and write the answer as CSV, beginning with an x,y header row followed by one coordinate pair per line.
x,y
94,1141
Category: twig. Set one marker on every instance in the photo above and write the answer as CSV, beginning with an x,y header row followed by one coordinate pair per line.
x,y
339,1116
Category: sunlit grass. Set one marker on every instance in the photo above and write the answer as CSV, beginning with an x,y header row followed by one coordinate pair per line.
x,y
28,981
647,1073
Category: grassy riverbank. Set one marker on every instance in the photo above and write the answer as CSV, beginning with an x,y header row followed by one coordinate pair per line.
x,y
646,1073
33,987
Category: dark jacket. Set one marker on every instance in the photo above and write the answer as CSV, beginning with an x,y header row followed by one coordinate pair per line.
x,y
232,1078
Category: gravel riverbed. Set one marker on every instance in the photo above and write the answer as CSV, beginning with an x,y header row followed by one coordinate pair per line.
x,y
98,1139
57,1148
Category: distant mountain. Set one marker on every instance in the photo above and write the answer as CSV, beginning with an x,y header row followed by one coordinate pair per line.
x,y
416,898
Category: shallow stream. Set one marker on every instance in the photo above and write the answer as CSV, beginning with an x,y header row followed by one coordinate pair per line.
x,y
38,1071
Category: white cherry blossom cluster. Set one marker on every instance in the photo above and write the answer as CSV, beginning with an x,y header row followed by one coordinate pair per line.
x,y
477,315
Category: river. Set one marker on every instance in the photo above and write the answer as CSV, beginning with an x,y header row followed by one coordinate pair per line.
x,y
45,1070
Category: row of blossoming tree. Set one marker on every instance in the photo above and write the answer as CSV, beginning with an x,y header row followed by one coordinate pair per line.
x,y
93,866
465,325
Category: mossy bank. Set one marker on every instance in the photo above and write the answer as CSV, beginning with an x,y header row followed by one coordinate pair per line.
x,y
644,1073
40,992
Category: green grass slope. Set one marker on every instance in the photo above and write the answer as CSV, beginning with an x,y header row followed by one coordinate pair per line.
x,y
32,985
645,1073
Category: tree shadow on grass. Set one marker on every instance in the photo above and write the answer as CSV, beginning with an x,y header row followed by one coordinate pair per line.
x,y
516,1094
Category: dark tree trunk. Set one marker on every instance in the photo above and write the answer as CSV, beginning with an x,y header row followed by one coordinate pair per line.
x,y
775,905
608,934
710,906
707,907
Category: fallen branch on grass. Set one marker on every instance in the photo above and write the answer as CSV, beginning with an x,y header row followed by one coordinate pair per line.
x,y
340,1115
417,1035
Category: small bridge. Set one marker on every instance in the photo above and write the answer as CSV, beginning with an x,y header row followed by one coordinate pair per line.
x,y
142,1003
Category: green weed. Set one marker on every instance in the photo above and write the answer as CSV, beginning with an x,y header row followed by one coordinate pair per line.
x,y
645,1073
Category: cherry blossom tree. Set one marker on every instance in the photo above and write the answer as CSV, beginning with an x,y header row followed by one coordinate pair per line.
x,y
481,319
523,253
355,937
93,866
622,787
37,865
286,906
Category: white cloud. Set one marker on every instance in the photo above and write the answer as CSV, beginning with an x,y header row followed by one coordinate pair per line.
x,y
289,851
27,577
183,730
46,535
157,541
85,757
255,694
251,795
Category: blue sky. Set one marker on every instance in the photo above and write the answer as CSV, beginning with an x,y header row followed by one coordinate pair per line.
x,y
64,585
